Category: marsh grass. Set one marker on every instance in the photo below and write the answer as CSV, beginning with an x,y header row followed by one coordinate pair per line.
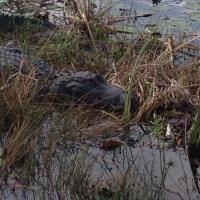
x,y
158,125
195,130
19,116
144,66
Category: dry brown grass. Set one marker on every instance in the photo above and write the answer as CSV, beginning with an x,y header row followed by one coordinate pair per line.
x,y
158,81
19,144
19,116
18,90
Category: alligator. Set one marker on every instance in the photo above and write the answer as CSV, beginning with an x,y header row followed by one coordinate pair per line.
x,y
81,86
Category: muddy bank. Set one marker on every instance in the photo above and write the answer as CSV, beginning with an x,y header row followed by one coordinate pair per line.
x,y
145,163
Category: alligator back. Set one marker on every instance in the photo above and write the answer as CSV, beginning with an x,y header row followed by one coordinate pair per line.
x,y
15,58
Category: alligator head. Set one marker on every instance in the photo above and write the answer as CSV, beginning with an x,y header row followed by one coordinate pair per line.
x,y
91,88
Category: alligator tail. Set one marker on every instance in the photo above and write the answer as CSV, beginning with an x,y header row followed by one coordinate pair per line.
x,y
15,58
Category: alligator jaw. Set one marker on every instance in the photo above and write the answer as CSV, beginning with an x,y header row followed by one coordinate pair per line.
x,y
115,98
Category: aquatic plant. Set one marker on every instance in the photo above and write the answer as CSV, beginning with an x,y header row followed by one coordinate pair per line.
x,y
195,131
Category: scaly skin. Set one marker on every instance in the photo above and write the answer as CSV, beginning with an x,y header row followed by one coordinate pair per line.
x,y
81,86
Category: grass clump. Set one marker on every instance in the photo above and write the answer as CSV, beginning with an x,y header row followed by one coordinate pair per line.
x,y
195,130
20,117
158,125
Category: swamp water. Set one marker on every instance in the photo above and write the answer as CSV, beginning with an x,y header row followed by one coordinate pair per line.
x,y
178,16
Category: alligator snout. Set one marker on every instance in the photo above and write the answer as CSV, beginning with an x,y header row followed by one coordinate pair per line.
x,y
116,98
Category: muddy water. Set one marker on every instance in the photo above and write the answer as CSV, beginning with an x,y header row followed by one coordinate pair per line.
x,y
167,16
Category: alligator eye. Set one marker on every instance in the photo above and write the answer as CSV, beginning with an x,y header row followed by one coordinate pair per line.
x,y
100,78
90,81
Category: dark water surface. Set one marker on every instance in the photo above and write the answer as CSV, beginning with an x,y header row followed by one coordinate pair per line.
x,y
168,15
